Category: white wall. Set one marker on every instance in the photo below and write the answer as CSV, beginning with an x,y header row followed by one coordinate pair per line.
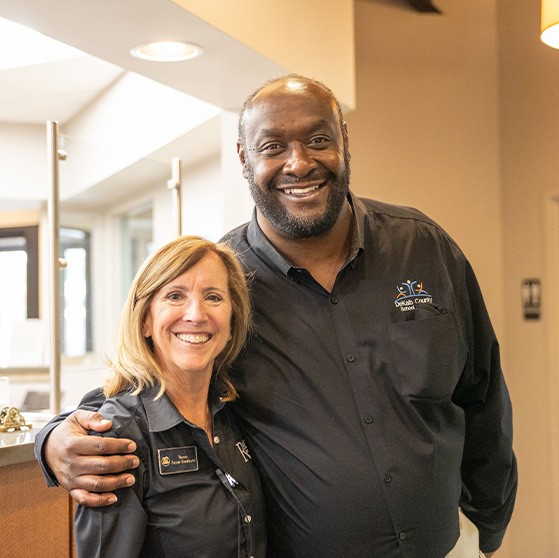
x,y
23,162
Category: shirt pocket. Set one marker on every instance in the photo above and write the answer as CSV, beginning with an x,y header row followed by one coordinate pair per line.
x,y
429,356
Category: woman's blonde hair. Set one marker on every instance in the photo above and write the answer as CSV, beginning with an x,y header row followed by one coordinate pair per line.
x,y
136,366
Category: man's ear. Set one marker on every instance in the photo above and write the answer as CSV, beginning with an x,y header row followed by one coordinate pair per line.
x,y
345,134
242,157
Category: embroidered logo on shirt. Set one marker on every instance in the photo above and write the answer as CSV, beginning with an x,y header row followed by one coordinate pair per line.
x,y
411,293
177,460
242,447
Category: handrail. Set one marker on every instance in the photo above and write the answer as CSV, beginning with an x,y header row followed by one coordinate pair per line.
x,y
174,184
56,263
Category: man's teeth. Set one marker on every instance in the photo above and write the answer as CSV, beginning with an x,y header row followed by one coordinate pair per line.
x,y
296,191
193,338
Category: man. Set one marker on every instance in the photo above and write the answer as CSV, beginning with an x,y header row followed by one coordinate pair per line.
x,y
371,393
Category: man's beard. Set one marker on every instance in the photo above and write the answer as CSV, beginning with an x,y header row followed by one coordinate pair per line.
x,y
294,227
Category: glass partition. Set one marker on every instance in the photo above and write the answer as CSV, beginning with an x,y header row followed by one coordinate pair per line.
x,y
106,230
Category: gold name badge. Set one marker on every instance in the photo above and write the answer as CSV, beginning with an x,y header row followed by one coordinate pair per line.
x,y
177,460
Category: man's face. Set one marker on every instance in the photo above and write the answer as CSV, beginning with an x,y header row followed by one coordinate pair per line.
x,y
295,158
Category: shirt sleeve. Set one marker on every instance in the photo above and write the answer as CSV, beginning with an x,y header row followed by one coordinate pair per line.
x,y
116,530
92,401
489,471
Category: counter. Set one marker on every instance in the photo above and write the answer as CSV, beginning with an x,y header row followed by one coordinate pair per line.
x,y
17,447
37,521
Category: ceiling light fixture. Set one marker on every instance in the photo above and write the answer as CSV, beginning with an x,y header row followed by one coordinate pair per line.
x,y
167,51
550,23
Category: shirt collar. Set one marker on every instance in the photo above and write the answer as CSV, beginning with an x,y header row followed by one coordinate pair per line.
x,y
163,415
264,248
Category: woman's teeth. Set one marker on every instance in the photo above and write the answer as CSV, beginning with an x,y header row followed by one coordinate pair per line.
x,y
193,338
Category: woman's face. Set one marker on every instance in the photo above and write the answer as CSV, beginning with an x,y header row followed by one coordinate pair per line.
x,y
189,319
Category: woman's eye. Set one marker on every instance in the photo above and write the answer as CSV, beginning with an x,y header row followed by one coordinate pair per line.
x,y
174,297
214,298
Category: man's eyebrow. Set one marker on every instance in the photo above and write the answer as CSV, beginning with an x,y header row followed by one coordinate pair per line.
x,y
263,132
267,132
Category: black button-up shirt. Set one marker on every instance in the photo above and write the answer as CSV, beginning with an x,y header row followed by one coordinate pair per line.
x,y
189,499
375,410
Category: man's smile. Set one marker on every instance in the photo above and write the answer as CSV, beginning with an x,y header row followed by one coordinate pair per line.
x,y
301,190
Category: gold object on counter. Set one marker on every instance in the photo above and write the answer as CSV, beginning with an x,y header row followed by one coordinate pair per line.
x,y
11,419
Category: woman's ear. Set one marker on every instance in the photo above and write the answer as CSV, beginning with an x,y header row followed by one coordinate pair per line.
x,y
146,330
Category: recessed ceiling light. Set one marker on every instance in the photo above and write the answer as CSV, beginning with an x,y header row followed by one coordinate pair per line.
x,y
167,51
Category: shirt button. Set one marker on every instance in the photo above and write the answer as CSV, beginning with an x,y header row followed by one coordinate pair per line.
x,y
248,519
387,479
334,300
350,357
402,536
368,419
216,439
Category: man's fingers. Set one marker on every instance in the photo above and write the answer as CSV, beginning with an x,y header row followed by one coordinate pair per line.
x,y
97,445
88,420
92,500
96,491
100,485
89,465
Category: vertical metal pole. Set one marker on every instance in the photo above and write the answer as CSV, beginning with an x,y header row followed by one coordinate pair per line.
x,y
175,185
55,263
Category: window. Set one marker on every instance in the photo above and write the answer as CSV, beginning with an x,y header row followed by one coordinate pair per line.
x,y
19,281
75,295
137,244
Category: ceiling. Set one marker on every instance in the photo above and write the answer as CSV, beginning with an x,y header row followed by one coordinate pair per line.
x,y
104,30
53,90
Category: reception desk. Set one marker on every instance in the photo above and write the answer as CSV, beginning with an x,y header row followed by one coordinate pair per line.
x,y
36,520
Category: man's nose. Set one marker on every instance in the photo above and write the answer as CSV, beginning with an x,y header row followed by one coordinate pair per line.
x,y
299,160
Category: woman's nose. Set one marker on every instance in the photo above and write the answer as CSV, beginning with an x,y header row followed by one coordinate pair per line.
x,y
194,310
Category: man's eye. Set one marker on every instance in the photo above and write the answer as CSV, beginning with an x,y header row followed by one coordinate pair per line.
x,y
271,148
319,141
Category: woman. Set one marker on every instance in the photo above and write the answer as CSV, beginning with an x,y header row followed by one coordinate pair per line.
x,y
197,492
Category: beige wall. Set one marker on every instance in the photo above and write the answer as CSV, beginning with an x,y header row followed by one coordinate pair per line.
x,y
456,115
425,131
529,97
461,122
314,37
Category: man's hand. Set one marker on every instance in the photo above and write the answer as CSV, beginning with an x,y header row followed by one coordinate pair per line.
x,y
86,465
